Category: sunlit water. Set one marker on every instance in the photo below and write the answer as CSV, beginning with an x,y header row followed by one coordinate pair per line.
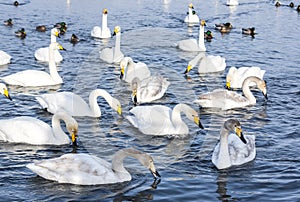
x,y
150,29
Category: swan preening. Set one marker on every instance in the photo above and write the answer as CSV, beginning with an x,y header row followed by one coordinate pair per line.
x,y
162,120
25,129
4,58
225,99
102,32
233,149
130,70
114,54
236,76
35,78
42,54
192,17
149,89
206,63
74,105
193,44
85,169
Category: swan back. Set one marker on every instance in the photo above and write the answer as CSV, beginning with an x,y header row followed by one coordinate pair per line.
x,y
4,58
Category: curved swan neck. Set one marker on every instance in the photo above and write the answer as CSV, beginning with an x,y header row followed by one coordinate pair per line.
x,y
176,114
223,156
52,66
196,59
56,127
93,100
246,89
104,21
201,38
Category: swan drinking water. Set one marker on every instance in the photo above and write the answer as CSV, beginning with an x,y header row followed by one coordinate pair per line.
x,y
30,130
225,99
114,54
193,44
85,169
102,32
31,78
42,54
74,105
162,120
233,149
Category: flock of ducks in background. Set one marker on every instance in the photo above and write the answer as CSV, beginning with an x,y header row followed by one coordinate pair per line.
x,y
233,149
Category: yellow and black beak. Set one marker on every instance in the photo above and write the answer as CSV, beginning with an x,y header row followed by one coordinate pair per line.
x,y
198,122
188,69
134,97
74,138
61,48
6,94
119,110
57,34
122,72
227,86
239,133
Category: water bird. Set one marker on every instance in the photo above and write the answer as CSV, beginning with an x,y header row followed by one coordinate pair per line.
x,y
74,39
41,28
225,99
4,91
233,149
8,22
16,3
4,58
208,35
62,27
29,130
298,8
232,2
114,54
249,31
193,44
21,33
162,120
224,27
191,17
31,78
74,105
102,32
86,169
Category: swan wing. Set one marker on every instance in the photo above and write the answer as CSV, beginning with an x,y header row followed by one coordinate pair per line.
x,y
26,130
211,63
96,32
188,45
4,58
138,70
81,169
107,55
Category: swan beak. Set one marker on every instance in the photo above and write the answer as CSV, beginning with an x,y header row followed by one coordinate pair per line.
x,y
227,86
74,138
57,34
6,94
122,73
239,133
134,97
188,69
264,92
154,171
198,122
61,48
119,110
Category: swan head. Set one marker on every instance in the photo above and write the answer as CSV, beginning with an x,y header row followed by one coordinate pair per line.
x,y
104,11
55,32
188,68
134,86
123,64
235,126
202,23
147,161
262,86
117,30
197,121
191,6
4,91
72,128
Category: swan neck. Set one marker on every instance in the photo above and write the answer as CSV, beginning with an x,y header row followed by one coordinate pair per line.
x,y
190,12
52,66
93,100
201,38
247,92
223,156
53,38
57,130
104,21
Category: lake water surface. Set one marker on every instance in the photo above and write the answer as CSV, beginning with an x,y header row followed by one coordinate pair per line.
x,y
150,29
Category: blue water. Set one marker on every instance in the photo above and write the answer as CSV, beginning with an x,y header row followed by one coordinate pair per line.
x,y
150,29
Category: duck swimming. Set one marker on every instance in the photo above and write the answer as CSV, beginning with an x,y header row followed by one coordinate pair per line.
x,y
8,22
41,28
74,39
249,31
21,33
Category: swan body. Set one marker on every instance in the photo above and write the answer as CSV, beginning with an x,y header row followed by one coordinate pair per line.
x,y
114,54
33,131
85,169
225,99
42,54
236,76
131,70
162,120
149,89
192,44
233,149
102,32
4,58
232,2
207,63
192,17
31,78
74,105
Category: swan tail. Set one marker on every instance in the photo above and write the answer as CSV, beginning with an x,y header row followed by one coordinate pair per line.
x,y
42,102
132,120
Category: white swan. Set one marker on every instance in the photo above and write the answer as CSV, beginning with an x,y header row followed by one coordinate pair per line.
x,y
192,17
162,120
4,91
225,99
42,54
31,78
4,58
235,77
206,63
74,105
104,32
131,70
114,54
85,169
192,44
233,149
149,89
232,2
25,129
